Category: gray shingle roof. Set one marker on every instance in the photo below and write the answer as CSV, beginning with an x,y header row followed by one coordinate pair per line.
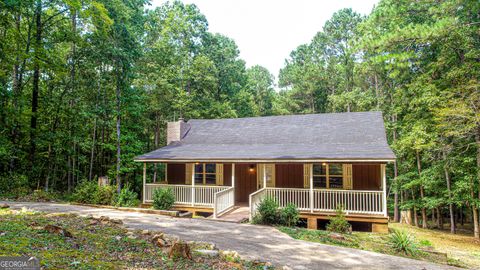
x,y
353,136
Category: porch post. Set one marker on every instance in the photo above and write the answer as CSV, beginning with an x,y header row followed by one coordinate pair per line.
x,y
264,176
384,189
233,181
144,179
311,188
193,184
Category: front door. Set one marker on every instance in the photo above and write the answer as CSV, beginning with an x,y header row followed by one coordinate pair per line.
x,y
245,181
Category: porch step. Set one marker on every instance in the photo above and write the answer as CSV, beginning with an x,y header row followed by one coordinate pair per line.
x,y
239,214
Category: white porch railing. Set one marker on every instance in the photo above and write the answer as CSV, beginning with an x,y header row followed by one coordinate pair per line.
x,y
324,200
352,201
223,201
253,201
204,195
299,196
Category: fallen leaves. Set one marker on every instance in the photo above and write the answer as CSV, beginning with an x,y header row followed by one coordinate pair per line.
x,y
55,230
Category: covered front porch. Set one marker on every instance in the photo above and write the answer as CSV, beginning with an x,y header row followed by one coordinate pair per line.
x,y
315,188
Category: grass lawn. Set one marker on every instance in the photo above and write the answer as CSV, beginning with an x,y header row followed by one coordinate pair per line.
x,y
460,250
93,246
461,247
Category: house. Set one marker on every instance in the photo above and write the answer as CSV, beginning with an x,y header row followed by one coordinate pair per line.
x,y
316,161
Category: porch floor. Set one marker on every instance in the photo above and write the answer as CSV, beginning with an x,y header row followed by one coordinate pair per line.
x,y
237,215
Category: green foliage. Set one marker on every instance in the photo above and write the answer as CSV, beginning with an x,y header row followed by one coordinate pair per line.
x,y
267,212
14,185
104,195
41,195
163,198
425,243
402,241
289,215
127,197
85,192
338,223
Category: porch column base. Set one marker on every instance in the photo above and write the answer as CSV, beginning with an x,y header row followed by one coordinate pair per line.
x,y
312,223
380,227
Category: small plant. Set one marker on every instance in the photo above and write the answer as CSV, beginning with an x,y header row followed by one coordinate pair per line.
x,y
104,195
267,212
126,197
163,198
289,215
338,223
425,243
402,241
85,192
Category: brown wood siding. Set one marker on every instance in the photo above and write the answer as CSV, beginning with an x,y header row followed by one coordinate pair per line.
x,y
366,176
227,174
289,175
245,182
176,173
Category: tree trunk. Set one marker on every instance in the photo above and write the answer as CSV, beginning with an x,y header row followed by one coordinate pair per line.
x,y
94,136
69,174
439,218
415,215
47,179
434,221
475,207
396,210
449,190
16,94
35,84
422,195
73,162
155,136
118,106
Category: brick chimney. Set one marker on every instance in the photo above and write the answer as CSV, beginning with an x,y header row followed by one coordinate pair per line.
x,y
175,130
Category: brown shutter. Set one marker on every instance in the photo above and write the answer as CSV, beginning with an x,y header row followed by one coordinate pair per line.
x,y
347,176
188,173
307,169
219,174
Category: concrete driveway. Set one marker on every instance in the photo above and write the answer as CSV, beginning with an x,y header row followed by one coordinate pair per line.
x,y
250,241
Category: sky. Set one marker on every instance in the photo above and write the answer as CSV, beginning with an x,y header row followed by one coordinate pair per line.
x,y
266,31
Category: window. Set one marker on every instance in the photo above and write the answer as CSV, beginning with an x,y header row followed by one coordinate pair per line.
x,y
328,175
205,173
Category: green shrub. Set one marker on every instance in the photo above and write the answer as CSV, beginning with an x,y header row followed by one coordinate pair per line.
x,y
163,198
127,197
289,215
104,195
402,241
338,223
41,195
425,243
267,212
14,186
85,192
